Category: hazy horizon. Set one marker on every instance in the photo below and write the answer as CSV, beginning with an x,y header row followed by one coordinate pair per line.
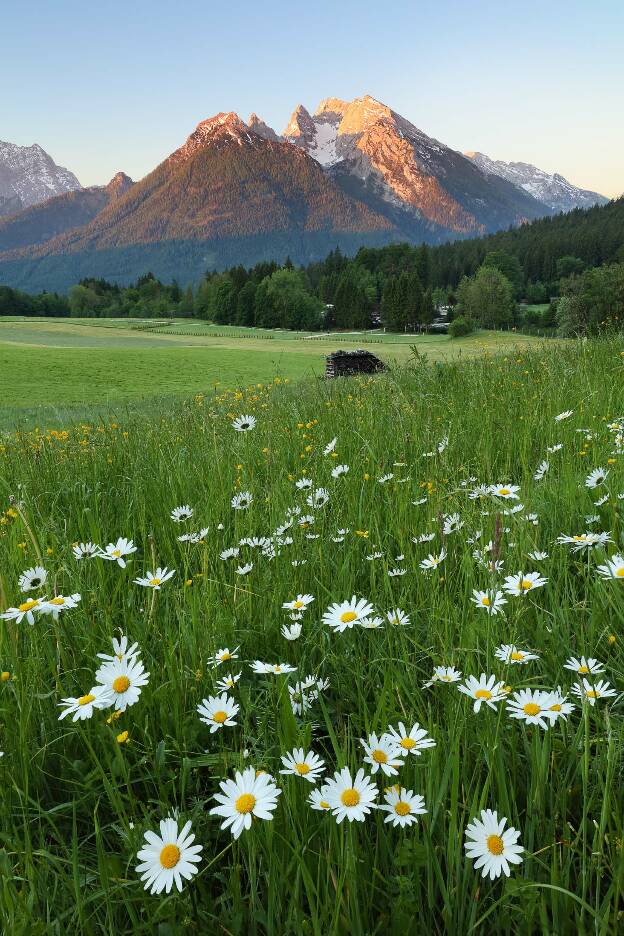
x,y
120,88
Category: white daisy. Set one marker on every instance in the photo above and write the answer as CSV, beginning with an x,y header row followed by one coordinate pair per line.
x,y
228,682
317,800
248,796
339,470
223,656
309,766
242,500
542,469
300,603
86,551
491,601
506,491
382,754
292,631
115,552
397,617
532,706
59,604
329,448
596,477
275,669
432,562
243,423
83,707
443,674
121,650
343,615
350,798
218,712
613,569
27,610
523,582
168,858
180,514
403,806
589,693
484,690
125,679
155,579
584,666
510,654
494,847
32,579
409,742
565,415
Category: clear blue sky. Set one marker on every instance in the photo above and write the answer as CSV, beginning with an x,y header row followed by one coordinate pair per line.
x,y
111,85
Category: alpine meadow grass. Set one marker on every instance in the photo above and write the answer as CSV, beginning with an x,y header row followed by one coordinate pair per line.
x,y
319,613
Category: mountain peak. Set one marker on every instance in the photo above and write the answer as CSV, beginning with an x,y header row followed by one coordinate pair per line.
x,y
300,124
331,105
119,184
262,129
29,175
224,125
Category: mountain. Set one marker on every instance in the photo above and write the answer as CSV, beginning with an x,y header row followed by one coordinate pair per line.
x,y
374,153
30,175
227,195
550,189
46,220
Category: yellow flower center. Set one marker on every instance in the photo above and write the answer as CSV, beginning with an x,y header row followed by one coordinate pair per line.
x,y
486,601
525,584
169,856
302,769
350,797
504,491
555,708
579,539
121,684
323,804
297,604
116,553
592,694
219,717
379,756
531,708
245,803
402,809
57,601
155,581
583,669
28,605
408,743
495,844
619,573
225,656
517,656
85,699
348,616
483,694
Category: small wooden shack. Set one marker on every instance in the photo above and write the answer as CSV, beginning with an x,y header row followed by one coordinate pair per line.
x,y
348,363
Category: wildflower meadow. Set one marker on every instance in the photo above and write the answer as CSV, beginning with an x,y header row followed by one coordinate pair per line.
x,y
336,657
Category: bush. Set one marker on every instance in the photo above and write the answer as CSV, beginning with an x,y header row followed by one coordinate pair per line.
x,y
460,326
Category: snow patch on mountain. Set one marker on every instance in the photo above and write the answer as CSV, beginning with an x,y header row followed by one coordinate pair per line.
x,y
28,175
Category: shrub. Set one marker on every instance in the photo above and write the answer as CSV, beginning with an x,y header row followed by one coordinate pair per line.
x,y
460,326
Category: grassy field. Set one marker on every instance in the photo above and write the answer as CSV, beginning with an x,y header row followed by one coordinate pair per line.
x,y
48,366
422,446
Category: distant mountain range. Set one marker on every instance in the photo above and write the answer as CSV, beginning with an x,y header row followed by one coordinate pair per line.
x,y
29,176
354,173
551,189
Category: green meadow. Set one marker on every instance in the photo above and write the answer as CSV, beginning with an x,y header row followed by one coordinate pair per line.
x,y
461,479
50,368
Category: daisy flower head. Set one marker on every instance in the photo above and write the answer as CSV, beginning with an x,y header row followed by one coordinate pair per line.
x,y
244,569
86,551
494,847
510,654
532,706
115,552
350,798
590,693
124,679
292,631
218,712
339,470
523,582
343,615
228,682
242,500
491,601
506,491
542,470
329,448
300,603
558,704
432,562
304,484
403,806
309,766
275,669
484,690
318,498
248,796
243,423
223,656
180,514
168,858
32,579
409,742
382,754
584,666
121,650
27,609
443,674
155,579
538,555
60,603
317,800
565,415
613,569
596,477
397,617
83,707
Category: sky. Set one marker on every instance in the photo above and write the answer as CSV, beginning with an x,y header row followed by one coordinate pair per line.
x,y
116,86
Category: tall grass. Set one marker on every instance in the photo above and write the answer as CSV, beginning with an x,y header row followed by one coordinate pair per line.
x,y
75,803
